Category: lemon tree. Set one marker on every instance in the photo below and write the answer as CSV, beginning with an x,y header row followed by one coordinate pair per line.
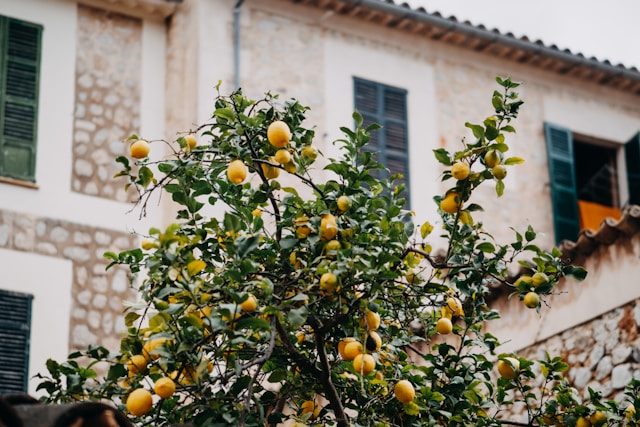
x,y
325,306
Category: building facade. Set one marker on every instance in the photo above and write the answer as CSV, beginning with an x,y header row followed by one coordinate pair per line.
x,y
109,68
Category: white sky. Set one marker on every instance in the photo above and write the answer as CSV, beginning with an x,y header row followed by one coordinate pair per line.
x,y
607,30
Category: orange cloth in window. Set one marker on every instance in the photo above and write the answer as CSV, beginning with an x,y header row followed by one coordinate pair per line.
x,y
592,214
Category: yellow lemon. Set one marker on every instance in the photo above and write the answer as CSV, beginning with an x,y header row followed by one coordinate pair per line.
x,y
283,156
404,391
344,203
237,171
531,300
451,203
374,341
278,134
328,283
507,370
191,140
250,304
164,387
270,172
492,159
139,402
342,344
351,350
149,347
364,364
139,149
460,170
328,227
310,407
372,320
444,326
137,364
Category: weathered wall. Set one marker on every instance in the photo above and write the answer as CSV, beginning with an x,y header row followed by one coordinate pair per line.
x,y
97,295
107,98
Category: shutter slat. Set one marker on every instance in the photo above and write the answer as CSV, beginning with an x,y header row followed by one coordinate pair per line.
x,y
395,104
366,97
632,157
21,80
563,182
396,136
24,40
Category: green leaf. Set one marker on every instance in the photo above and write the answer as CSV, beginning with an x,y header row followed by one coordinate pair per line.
x,y
130,318
442,155
297,317
225,113
478,131
576,272
513,161
499,188
486,247
246,244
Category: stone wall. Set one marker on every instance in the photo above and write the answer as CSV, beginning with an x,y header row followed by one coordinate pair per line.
x,y
97,295
603,354
107,98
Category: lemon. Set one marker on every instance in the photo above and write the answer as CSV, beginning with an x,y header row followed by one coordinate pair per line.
x,y
150,346
137,364
372,320
328,283
351,350
597,418
310,407
491,159
270,172
539,278
499,171
444,326
507,370
283,156
139,149
404,391
342,344
250,304
278,134
454,306
237,171
364,364
531,300
310,151
344,203
191,140
451,202
164,387
328,227
374,341
139,402
460,170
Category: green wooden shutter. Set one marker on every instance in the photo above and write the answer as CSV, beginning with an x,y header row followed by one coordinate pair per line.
x,y
632,157
15,332
386,106
562,177
19,80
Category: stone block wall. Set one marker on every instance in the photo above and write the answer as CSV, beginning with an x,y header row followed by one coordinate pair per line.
x,y
107,98
97,295
603,354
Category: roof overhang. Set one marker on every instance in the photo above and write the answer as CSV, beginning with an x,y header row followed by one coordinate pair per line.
x,y
480,39
158,9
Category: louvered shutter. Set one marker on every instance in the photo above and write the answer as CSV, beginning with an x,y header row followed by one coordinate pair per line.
x,y
15,332
19,73
562,177
632,157
386,106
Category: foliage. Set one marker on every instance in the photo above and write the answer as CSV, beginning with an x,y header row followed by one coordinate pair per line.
x,y
323,268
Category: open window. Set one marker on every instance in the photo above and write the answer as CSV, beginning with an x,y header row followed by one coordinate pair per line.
x,y
590,179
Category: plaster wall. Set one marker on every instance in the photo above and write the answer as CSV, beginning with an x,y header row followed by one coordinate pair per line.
x,y
51,302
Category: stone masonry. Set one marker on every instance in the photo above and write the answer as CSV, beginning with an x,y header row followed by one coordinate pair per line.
x,y
107,98
97,295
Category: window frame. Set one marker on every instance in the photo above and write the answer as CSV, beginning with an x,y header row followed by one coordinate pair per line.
x,y
562,176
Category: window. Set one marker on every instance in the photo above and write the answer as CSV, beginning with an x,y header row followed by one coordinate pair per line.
x,y
15,332
386,106
590,179
19,71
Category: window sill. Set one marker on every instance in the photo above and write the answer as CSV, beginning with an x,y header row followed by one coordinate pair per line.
x,y
25,184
